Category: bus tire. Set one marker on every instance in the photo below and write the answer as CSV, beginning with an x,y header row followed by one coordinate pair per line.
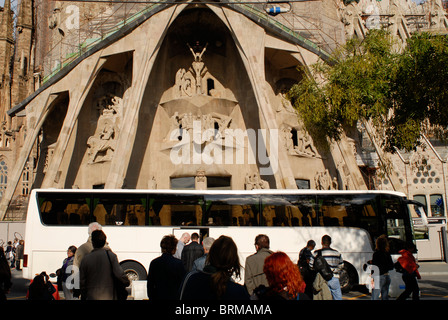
x,y
134,270
348,277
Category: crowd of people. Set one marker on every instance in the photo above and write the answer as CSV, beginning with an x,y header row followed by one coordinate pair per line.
x,y
190,270
14,253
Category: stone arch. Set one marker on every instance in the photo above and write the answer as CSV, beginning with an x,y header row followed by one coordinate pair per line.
x,y
49,135
99,123
224,90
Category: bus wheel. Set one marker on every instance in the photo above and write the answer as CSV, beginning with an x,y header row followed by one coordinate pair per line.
x,y
134,270
348,277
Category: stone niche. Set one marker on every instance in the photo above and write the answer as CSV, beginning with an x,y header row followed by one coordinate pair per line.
x,y
99,124
197,85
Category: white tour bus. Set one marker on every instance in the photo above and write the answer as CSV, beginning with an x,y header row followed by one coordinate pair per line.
x,y
136,220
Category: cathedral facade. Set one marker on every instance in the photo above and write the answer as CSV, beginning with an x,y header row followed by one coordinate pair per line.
x,y
189,95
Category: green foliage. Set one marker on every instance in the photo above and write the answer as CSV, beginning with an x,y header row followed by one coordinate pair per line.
x,y
368,80
420,87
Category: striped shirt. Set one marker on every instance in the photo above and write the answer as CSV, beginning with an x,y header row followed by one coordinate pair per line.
x,y
333,258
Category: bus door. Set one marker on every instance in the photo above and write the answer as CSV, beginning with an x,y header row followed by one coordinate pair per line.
x,y
178,232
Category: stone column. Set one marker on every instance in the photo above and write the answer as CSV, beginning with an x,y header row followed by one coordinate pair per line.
x,y
78,95
143,64
16,172
250,41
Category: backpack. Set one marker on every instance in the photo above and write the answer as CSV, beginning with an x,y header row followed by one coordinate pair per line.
x,y
321,265
9,252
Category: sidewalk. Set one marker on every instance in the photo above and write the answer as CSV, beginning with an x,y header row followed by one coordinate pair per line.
x,y
433,268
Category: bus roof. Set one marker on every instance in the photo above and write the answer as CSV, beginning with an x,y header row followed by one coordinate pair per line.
x,y
229,192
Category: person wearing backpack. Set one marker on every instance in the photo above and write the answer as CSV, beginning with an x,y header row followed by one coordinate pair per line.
x,y
328,267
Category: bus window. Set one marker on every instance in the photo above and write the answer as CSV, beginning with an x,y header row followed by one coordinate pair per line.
x,y
231,210
437,205
64,209
119,209
288,210
220,215
174,210
183,214
276,215
350,211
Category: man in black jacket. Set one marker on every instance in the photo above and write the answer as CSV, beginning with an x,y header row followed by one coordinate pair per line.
x,y
165,273
191,252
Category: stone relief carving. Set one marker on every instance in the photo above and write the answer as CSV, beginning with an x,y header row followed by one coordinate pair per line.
x,y
198,65
108,105
200,180
188,83
211,127
53,19
152,183
286,106
254,181
101,145
300,145
183,83
323,181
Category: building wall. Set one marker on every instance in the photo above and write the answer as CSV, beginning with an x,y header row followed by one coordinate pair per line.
x,y
114,119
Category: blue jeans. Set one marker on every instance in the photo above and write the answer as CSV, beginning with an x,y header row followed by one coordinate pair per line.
x,y
335,288
382,287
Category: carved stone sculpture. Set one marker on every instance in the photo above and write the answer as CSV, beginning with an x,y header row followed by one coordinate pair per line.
x,y
302,146
254,181
198,65
101,145
323,180
208,127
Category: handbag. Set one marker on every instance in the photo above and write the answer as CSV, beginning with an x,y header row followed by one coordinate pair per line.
x,y
119,287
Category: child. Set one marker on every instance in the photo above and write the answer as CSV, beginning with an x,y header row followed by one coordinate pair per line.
x,y
410,273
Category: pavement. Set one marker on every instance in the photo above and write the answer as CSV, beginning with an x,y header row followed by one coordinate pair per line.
x,y
433,268
427,269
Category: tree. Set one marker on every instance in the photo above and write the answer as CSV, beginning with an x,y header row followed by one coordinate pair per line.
x,y
370,80
419,91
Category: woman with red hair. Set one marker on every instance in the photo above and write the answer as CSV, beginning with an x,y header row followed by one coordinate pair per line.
x,y
284,278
